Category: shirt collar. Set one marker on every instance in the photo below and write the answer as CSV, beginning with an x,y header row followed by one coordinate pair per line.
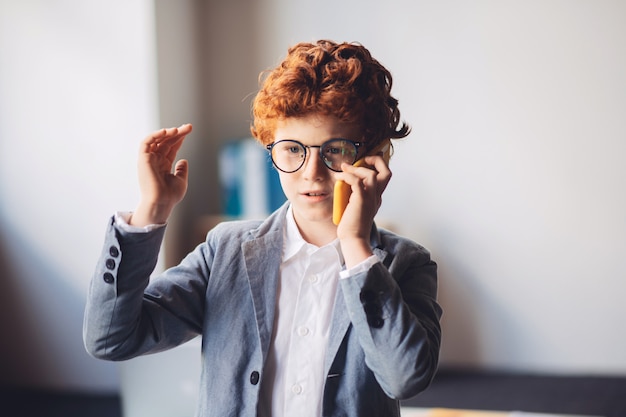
x,y
294,242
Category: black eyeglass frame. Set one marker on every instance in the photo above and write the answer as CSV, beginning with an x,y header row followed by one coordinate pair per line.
x,y
357,147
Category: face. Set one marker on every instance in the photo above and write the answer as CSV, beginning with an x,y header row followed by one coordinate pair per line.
x,y
310,189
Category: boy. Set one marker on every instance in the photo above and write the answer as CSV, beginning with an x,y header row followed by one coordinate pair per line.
x,y
298,316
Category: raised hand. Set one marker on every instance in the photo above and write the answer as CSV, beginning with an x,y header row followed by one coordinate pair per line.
x,y
162,183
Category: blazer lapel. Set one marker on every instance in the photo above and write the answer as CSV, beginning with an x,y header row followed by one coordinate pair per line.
x,y
338,328
262,256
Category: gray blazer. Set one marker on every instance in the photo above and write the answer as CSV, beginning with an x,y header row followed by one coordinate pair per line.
x,y
385,333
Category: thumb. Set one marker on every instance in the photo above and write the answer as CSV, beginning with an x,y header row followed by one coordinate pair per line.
x,y
181,170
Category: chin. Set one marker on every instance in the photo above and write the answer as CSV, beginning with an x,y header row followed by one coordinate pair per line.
x,y
314,215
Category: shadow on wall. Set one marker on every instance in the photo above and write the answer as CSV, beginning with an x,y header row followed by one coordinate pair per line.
x,y
41,323
460,328
470,329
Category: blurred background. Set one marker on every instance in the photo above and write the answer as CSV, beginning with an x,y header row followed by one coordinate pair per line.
x,y
513,176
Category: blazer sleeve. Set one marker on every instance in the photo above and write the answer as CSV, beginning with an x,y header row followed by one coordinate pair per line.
x,y
129,314
395,315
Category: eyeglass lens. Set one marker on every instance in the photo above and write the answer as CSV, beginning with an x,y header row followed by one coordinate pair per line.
x,y
289,155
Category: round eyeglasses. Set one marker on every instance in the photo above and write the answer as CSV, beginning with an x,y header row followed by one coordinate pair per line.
x,y
289,155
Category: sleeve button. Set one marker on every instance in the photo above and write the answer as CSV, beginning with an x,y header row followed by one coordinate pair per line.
x,y
114,252
110,264
108,278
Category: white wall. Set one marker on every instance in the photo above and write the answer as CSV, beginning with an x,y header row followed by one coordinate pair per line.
x,y
77,93
514,175
520,140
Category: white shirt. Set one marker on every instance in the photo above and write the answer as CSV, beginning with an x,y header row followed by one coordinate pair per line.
x,y
293,379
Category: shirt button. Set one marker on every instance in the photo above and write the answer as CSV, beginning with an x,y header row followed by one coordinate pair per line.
x,y
313,279
108,278
254,378
297,389
303,331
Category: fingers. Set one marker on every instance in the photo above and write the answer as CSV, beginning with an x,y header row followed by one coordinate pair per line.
x,y
367,183
374,175
181,170
172,132
166,141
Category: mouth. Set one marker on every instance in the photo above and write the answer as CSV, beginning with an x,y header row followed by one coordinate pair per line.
x,y
315,194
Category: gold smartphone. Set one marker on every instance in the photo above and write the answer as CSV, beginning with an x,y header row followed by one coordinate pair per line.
x,y
342,190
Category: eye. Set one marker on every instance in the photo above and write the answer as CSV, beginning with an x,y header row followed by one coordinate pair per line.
x,y
288,148
339,148
294,149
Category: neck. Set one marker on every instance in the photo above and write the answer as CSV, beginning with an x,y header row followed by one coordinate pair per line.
x,y
317,233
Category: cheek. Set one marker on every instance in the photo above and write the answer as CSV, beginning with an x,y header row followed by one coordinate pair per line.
x,y
286,183
334,177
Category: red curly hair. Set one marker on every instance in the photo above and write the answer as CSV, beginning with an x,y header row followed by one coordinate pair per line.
x,y
339,79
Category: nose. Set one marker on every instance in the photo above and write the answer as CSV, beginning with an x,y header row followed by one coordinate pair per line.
x,y
314,168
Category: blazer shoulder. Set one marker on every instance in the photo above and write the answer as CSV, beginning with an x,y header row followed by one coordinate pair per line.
x,y
234,229
394,243
249,229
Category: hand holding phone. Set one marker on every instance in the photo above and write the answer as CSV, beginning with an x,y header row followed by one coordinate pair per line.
x,y
342,190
